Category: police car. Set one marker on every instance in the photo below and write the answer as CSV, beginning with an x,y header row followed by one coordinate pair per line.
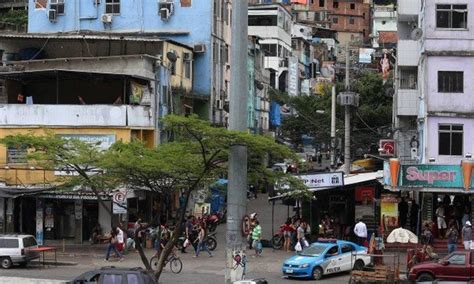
x,y
326,257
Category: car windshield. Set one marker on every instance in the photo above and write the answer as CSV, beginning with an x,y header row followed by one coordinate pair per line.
x,y
313,250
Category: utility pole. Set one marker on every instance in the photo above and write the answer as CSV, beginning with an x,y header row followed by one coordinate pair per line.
x,y
347,120
237,186
348,99
333,127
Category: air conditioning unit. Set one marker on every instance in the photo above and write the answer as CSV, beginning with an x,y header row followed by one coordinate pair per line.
x,y
107,18
187,56
165,14
199,48
52,15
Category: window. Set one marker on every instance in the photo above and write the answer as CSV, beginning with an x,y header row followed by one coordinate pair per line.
x,y
347,248
335,5
263,20
112,6
457,259
353,6
384,22
451,16
41,4
408,78
187,69
57,5
132,279
351,21
450,139
335,20
270,49
450,81
185,3
112,279
29,242
332,251
321,3
9,243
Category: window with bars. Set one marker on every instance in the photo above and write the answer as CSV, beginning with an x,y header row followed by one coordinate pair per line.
x,y
112,7
57,5
335,20
408,78
450,140
450,81
351,21
451,16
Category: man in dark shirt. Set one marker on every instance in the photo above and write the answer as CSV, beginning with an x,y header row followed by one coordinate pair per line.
x,y
414,209
403,212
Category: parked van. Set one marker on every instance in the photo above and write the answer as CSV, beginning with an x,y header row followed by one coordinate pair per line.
x,y
15,249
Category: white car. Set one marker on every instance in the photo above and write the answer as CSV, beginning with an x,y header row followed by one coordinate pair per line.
x,y
15,249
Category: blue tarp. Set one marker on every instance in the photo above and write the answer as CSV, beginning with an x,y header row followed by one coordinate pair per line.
x,y
275,117
217,199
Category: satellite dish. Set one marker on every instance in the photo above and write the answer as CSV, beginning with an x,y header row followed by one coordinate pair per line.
x,y
416,34
171,56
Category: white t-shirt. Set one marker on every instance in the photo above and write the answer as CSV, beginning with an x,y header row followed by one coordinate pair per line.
x,y
120,236
360,230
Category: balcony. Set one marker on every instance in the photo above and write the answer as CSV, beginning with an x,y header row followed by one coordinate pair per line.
x,y
408,10
407,102
13,3
408,52
76,115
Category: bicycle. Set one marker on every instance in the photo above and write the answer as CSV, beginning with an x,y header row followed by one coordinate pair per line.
x,y
176,265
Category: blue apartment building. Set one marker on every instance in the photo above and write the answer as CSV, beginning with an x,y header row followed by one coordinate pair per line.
x,y
203,25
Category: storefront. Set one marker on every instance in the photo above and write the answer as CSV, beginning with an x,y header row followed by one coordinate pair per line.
x,y
432,185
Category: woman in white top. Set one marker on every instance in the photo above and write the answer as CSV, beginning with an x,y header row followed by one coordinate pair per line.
x,y
440,218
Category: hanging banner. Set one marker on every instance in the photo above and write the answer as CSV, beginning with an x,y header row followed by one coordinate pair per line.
x,y
293,78
39,222
388,212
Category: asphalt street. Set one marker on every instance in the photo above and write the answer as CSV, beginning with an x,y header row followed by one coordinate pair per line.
x,y
195,270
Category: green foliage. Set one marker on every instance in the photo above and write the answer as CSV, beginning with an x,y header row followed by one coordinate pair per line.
x,y
15,17
373,114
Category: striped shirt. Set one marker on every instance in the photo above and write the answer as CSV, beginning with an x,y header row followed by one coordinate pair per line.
x,y
256,232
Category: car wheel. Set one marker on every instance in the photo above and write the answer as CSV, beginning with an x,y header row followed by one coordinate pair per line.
x,y
359,265
6,262
317,273
425,277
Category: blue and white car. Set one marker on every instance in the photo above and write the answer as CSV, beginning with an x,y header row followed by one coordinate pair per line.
x,y
326,257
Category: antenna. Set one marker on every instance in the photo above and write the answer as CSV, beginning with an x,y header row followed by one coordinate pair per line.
x,y
416,34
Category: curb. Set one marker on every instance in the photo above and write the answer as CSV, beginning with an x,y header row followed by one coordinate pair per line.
x,y
52,263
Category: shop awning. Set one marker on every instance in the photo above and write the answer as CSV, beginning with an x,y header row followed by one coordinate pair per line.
x,y
355,179
14,192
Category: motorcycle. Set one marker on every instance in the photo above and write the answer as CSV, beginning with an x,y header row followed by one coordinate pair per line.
x,y
210,241
211,222
278,239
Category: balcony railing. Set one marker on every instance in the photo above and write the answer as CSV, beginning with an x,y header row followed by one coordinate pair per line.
x,y
76,115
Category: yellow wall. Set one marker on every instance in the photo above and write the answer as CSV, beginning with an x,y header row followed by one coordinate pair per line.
x,y
178,80
18,174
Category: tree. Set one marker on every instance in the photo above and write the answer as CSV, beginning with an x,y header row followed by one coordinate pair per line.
x,y
198,154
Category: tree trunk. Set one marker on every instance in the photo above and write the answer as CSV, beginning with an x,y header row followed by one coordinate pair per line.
x,y
176,234
138,246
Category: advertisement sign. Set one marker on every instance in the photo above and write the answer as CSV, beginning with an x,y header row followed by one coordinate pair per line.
x,y
365,55
293,70
119,201
431,176
103,141
334,179
388,212
388,146
39,222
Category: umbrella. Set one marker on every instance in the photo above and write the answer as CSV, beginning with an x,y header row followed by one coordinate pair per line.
x,y
402,236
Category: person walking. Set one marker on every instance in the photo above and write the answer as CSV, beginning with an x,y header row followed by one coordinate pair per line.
x,y
202,241
360,230
452,235
441,221
403,212
189,233
300,235
287,231
414,209
112,246
256,238
120,238
467,235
